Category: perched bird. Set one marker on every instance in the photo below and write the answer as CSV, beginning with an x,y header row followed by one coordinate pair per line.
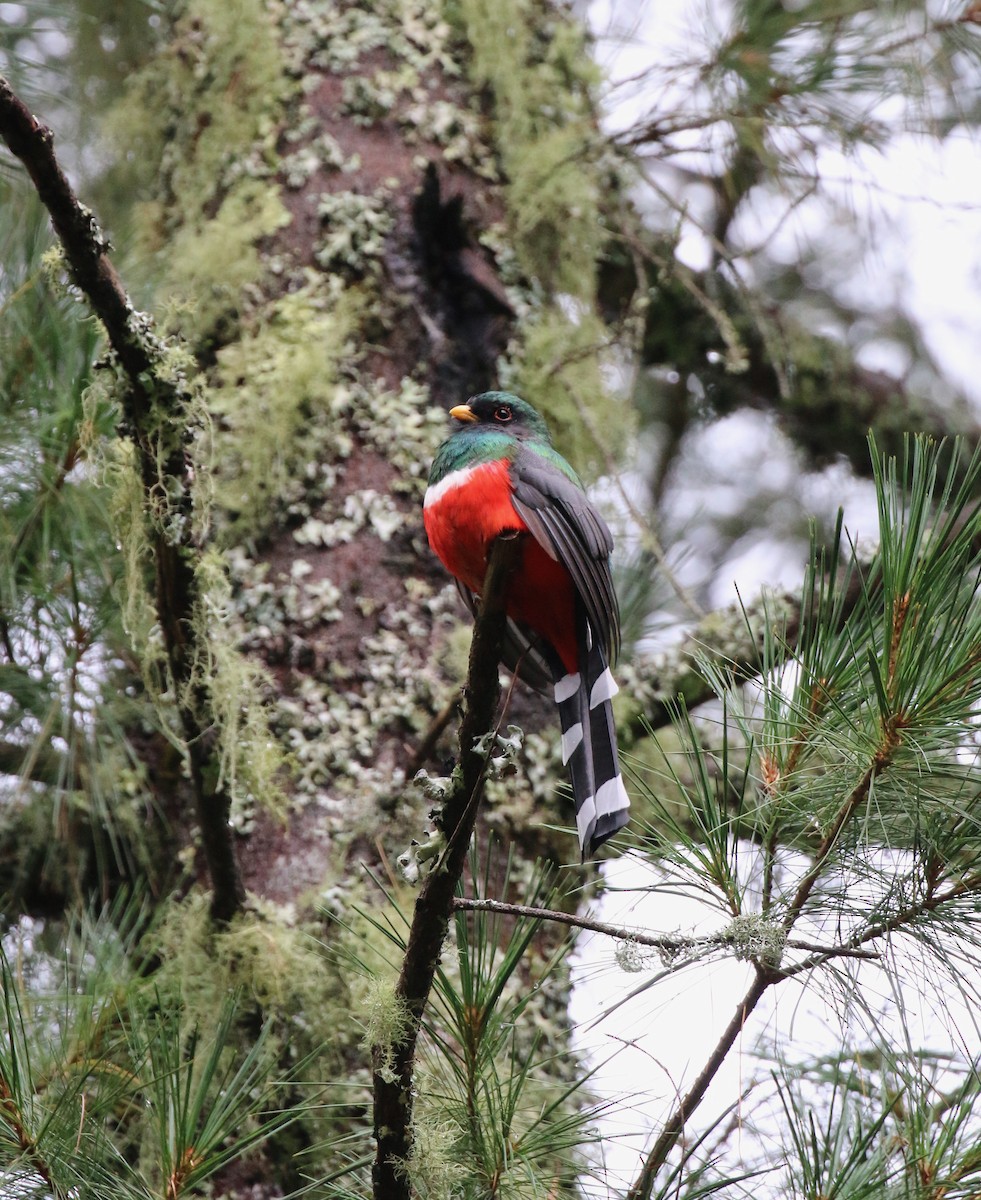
x,y
499,472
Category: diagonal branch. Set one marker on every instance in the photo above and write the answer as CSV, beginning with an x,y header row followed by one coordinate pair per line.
x,y
674,1127
155,401
393,1064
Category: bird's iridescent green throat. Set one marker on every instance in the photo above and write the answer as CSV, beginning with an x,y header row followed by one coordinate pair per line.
x,y
492,426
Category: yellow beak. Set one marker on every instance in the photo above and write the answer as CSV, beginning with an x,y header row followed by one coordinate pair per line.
x,y
462,412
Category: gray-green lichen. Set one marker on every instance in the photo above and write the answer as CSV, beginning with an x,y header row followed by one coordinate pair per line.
x,y
355,229
203,114
387,1020
537,66
274,390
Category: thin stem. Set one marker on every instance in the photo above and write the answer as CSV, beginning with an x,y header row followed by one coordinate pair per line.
x,y
643,1185
427,746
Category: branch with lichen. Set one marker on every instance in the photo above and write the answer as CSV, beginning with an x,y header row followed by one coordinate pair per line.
x,y
156,401
393,1063
740,935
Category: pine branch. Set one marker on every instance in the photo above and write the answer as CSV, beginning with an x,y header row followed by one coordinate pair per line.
x,y
732,637
155,403
12,1117
393,1064
667,943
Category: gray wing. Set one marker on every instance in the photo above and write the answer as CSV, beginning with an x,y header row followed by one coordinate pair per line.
x,y
562,520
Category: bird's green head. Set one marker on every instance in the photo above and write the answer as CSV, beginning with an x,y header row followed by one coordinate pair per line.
x,y
504,413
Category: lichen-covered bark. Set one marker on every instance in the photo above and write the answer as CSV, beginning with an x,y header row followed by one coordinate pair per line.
x,y
363,215
357,224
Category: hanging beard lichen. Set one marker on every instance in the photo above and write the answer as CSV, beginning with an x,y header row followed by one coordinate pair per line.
x,y
225,687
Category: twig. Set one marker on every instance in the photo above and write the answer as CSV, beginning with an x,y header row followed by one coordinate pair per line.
x,y
668,943
393,1065
154,406
649,537
643,1185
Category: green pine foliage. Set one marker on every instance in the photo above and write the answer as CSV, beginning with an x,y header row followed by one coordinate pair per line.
x,y
503,1109
830,817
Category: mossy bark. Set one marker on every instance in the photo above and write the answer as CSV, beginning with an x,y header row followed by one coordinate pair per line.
x,y
349,213
341,217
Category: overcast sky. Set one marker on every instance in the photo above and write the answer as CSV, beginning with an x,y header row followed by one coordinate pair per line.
x,y
916,240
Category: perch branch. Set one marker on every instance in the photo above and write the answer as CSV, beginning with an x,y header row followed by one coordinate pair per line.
x,y
393,1064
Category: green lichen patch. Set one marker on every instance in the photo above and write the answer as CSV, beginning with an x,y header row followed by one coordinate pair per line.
x,y
553,201
336,37
540,73
250,762
536,67
267,955
212,263
202,116
224,79
321,153
458,131
224,688
355,227
404,426
274,394
387,1020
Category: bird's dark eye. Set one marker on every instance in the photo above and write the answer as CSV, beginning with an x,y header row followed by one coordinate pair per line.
x,y
503,413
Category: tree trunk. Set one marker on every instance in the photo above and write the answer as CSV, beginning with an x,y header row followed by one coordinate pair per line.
x,y
330,180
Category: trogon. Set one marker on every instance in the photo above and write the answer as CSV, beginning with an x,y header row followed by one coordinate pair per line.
x,y
499,472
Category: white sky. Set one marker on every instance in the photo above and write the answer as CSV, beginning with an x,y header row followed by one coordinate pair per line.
x,y
916,204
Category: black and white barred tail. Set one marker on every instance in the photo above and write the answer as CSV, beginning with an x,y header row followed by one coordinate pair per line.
x,y
589,747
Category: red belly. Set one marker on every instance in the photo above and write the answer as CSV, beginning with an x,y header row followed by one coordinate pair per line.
x,y
461,527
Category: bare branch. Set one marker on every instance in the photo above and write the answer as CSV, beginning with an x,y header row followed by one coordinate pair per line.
x,y
393,1065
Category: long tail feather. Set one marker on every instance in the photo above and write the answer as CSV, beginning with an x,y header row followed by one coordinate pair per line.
x,y
589,747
